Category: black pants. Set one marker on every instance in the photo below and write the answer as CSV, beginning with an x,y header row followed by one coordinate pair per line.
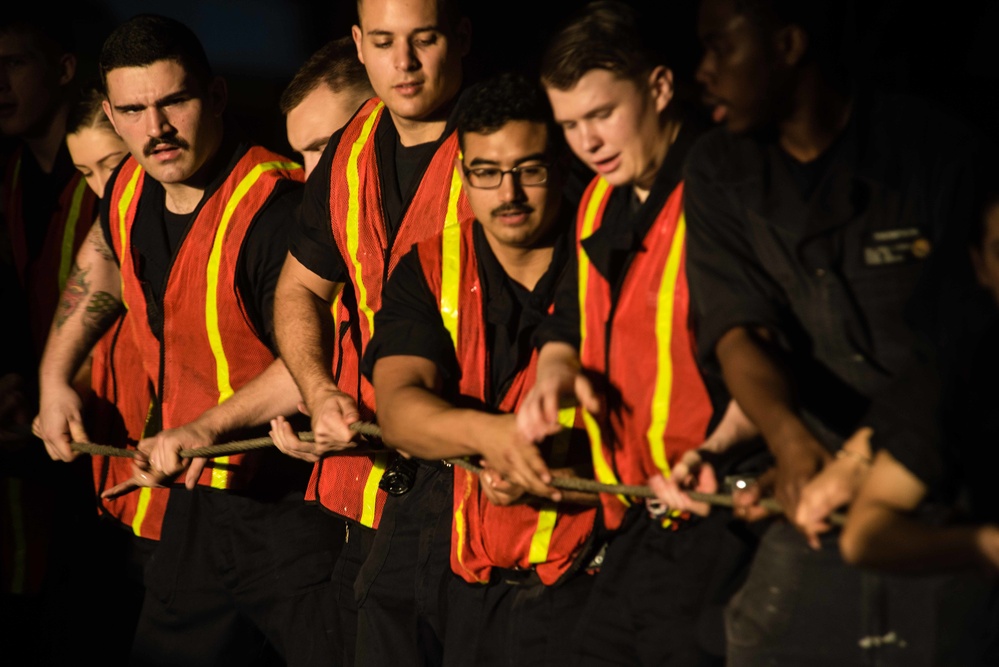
x,y
514,621
357,546
659,596
801,606
401,588
235,581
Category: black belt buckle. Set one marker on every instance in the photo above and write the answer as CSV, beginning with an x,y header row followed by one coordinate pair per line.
x,y
399,476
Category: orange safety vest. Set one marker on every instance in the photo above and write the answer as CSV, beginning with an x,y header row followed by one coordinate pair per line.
x,y
209,348
116,414
44,276
348,485
663,407
550,539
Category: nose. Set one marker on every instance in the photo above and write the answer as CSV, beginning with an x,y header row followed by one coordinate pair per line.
x,y
705,69
589,138
404,56
510,189
157,123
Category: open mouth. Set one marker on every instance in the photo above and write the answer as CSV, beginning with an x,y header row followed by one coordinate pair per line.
x,y
607,165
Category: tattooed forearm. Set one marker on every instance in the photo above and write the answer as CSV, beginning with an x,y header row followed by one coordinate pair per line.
x,y
97,240
101,307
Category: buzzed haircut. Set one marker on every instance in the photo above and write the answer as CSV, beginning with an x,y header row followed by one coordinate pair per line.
x,y
602,35
148,38
88,111
451,11
492,103
334,64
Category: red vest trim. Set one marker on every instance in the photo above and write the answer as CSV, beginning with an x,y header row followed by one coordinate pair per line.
x,y
348,485
44,277
485,535
664,407
210,348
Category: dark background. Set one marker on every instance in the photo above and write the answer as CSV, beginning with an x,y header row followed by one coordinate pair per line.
x,y
944,51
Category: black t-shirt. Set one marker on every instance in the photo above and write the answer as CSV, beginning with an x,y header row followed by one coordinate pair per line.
x,y
400,171
157,234
40,194
410,323
852,274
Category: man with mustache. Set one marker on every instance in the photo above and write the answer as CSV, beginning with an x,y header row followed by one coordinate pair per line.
x,y
451,358
384,182
191,240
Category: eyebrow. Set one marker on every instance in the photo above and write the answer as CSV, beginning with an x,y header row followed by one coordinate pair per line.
x,y
377,32
175,96
534,157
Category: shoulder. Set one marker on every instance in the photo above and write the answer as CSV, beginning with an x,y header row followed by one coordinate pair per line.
x,y
721,157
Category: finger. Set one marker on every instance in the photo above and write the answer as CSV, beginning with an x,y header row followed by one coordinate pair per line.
x,y
586,396
120,489
194,470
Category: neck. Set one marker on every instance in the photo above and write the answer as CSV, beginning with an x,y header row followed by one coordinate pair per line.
x,y
416,132
45,145
819,113
523,265
668,130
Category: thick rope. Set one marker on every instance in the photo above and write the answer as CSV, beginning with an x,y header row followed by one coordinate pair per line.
x,y
369,429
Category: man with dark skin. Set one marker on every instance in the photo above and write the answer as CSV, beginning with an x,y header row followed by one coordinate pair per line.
x,y
817,217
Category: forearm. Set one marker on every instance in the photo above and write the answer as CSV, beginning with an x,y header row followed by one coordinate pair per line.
x,y
305,330
761,388
557,357
883,537
272,393
419,422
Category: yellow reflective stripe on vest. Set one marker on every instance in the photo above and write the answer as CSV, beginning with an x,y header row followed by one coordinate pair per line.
x,y
542,539
220,474
67,252
601,467
370,498
450,279
145,493
353,215
461,526
661,397
126,200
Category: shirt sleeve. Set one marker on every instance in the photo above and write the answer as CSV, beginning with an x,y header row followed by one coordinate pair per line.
x,y
562,325
409,322
311,239
728,285
263,256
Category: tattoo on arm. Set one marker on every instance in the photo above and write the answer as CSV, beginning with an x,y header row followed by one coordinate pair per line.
x,y
100,308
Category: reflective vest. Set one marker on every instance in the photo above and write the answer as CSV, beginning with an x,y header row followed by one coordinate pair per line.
x,y
210,347
44,277
484,535
642,344
348,485
116,415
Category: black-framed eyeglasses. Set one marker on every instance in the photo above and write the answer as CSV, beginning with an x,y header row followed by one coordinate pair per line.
x,y
490,178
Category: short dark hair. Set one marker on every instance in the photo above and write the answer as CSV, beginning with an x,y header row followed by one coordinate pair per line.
x,y
451,10
492,103
88,111
148,38
602,35
334,64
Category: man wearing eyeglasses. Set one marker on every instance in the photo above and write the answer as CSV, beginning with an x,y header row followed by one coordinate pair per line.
x,y
452,357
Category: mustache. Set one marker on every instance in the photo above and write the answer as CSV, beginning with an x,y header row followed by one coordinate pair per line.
x,y
174,141
512,207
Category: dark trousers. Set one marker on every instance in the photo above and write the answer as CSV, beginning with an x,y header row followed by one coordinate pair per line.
x,y
659,595
357,546
401,588
514,621
801,606
236,581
